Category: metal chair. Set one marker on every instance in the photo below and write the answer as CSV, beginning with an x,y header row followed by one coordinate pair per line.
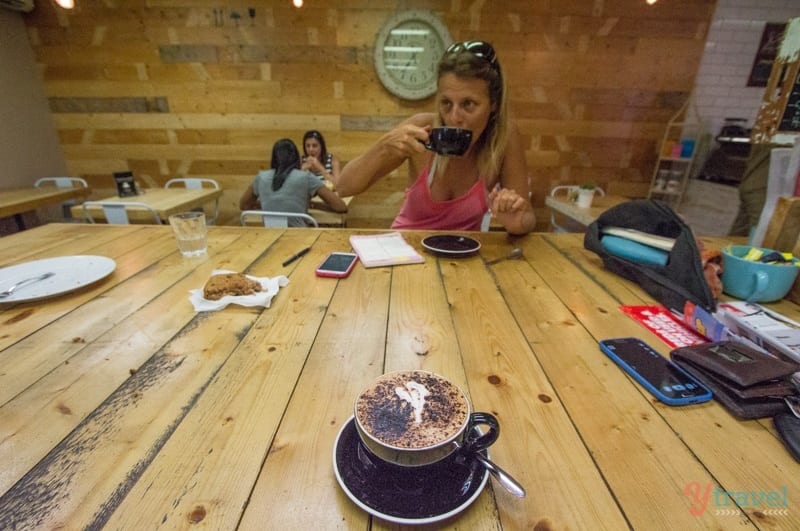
x,y
116,212
277,219
63,182
196,183
486,221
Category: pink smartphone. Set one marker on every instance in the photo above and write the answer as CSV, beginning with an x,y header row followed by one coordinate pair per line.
x,y
338,265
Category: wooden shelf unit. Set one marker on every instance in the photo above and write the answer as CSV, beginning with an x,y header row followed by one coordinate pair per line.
x,y
673,170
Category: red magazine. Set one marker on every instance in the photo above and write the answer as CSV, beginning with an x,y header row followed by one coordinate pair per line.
x,y
665,325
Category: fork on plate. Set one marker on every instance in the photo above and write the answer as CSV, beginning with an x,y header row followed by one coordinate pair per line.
x,y
27,281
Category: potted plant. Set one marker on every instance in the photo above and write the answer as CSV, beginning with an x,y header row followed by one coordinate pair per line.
x,y
585,195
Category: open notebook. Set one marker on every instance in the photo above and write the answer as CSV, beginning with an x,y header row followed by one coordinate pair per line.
x,y
384,250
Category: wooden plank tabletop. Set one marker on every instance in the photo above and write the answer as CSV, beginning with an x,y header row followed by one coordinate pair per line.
x,y
121,407
583,216
326,217
22,200
165,201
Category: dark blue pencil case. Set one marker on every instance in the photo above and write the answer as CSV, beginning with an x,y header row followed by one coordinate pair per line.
x,y
673,279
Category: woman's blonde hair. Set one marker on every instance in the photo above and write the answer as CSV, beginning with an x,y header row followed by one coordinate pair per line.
x,y
477,60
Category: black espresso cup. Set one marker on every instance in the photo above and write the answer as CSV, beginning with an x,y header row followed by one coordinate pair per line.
x,y
449,141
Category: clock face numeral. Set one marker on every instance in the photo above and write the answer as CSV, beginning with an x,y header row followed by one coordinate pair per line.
x,y
411,53
407,51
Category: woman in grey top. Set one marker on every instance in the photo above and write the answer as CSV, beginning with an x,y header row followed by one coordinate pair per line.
x,y
286,188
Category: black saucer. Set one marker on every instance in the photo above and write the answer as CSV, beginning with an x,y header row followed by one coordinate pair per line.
x,y
405,495
452,245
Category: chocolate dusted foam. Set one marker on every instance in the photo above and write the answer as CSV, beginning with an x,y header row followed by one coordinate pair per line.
x,y
412,409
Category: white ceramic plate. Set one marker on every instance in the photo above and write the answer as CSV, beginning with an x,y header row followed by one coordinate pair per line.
x,y
71,273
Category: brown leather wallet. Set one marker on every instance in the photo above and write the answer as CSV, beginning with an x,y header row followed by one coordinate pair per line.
x,y
748,382
788,427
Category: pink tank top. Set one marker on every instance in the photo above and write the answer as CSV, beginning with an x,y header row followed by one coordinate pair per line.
x,y
420,211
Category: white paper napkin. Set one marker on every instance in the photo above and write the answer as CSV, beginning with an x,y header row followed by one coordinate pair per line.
x,y
269,288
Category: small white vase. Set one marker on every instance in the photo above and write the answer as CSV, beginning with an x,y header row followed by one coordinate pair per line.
x,y
585,198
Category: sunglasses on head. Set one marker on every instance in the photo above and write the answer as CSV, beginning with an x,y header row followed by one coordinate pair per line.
x,y
480,49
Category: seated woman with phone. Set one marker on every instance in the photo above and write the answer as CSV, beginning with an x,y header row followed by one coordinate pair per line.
x,y
286,188
455,192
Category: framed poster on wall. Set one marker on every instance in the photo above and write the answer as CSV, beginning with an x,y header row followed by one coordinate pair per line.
x,y
778,119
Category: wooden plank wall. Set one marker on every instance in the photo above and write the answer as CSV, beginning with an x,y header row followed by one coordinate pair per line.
x,y
202,88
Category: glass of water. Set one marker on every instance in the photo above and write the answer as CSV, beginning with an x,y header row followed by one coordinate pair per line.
x,y
190,232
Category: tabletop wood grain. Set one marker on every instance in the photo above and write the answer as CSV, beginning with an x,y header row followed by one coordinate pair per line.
x,y
325,216
123,408
22,200
583,216
165,201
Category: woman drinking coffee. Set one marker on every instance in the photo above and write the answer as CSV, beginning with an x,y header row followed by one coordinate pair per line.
x,y
454,192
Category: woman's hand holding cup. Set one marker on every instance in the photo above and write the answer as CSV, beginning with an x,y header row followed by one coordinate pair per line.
x,y
312,164
406,140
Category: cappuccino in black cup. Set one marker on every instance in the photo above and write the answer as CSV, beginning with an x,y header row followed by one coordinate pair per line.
x,y
415,418
449,141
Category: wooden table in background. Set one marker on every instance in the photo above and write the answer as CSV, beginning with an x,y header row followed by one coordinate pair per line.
x,y
16,202
326,217
121,407
165,201
583,216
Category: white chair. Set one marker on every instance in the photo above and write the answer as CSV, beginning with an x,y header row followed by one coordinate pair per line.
x,y
486,221
568,225
116,212
276,219
63,182
196,183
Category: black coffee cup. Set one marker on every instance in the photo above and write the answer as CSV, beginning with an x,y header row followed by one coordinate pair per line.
x,y
384,416
449,141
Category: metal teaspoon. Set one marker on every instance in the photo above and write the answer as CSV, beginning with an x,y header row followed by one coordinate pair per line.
x,y
515,253
504,478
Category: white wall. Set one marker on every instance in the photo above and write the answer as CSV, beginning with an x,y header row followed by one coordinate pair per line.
x,y
721,87
29,146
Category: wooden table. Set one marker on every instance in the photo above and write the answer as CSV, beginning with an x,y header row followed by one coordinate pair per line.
x,y
165,201
122,407
15,202
583,216
326,217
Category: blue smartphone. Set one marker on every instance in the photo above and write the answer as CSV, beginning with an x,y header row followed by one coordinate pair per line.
x,y
659,375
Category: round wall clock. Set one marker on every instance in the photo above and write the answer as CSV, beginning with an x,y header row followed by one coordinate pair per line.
x,y
407,50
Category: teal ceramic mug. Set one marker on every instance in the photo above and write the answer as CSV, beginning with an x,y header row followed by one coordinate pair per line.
x,y
755,281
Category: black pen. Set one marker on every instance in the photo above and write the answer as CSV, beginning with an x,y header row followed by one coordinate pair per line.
x,y
295,256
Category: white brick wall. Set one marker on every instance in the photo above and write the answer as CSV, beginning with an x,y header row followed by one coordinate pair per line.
x,y
721,89
721,92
